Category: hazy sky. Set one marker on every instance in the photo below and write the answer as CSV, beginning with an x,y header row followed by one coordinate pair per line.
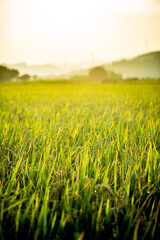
x,y
54,31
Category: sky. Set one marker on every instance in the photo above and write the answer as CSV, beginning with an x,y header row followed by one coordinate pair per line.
x,y
56,31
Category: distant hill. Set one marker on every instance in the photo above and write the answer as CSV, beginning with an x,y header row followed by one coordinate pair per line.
x,y
39,70
143,66
50,70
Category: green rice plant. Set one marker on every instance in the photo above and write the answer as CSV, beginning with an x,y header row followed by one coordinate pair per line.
x,y
80,161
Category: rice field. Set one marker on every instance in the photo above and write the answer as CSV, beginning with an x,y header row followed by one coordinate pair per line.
x,y
80,161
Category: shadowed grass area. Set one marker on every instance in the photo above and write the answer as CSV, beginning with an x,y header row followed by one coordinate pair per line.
x,y
80,161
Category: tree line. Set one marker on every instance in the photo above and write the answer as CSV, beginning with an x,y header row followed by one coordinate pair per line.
x,y
96,73
7,74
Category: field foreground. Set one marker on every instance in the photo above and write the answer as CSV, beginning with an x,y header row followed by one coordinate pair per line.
x,y
80,161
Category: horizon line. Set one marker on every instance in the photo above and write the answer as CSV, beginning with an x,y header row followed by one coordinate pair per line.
x,y
79,62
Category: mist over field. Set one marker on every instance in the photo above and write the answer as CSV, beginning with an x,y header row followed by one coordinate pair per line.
x,y
79,119
142,66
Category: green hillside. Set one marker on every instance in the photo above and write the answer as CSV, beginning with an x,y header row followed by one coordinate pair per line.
x,y
142,66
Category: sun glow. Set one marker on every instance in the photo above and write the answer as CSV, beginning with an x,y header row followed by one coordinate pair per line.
x,y
54,30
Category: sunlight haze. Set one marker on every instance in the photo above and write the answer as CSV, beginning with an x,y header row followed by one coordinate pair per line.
x,y
55,31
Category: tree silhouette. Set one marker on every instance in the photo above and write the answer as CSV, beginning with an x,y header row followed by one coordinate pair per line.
x,y
7,74
24,77
97,73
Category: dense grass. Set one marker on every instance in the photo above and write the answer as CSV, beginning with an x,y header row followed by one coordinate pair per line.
x,y
80,161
